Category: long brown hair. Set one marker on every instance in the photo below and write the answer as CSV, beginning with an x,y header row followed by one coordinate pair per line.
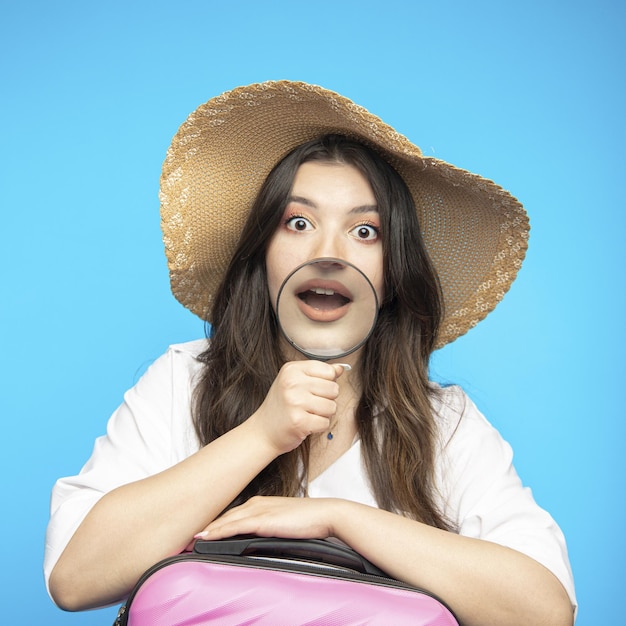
x,y
394,415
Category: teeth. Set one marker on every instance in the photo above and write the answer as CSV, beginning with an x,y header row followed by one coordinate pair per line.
x,y
323,292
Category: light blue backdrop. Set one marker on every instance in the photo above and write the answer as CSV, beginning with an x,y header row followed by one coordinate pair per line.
x,y
530,94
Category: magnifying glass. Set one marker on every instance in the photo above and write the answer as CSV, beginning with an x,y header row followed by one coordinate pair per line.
x,y
326,308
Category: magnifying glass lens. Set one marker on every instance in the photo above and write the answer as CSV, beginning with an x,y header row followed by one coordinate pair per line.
x,y
327,308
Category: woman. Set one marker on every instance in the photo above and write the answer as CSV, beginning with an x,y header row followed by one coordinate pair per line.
x,y
258,181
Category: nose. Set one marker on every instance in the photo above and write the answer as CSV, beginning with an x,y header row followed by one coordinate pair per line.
x,y
329,246
328,264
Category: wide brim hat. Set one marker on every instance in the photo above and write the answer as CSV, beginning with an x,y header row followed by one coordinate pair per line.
x,y
476,233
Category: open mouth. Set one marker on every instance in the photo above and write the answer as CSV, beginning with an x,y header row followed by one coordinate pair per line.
x,y
323,301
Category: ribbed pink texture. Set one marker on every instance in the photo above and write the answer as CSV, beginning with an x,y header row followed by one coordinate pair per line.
x,y
193,593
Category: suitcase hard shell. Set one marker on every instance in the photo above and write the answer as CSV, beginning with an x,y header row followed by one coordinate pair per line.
x,y
268,582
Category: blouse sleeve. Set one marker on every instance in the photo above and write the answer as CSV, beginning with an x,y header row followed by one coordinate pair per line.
x,y
149,432
484,495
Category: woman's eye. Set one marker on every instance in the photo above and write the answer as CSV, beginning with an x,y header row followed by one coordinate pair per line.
x,y
298,223
365,232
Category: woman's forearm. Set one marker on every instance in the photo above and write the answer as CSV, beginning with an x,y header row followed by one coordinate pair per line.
x,y
136,525
484,583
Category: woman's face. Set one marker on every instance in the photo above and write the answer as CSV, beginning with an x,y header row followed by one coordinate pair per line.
x,y
331,213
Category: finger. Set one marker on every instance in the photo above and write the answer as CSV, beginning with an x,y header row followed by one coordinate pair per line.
x,y
230,529
246,518
323,388
231,518
322,407
320,369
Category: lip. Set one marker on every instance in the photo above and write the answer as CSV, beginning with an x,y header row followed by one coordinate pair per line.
x,y
338,306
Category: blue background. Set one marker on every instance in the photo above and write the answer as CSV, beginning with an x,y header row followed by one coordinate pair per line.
x,y
530,94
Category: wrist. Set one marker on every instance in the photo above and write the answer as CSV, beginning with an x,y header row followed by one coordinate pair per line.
x,y
258,437
339,514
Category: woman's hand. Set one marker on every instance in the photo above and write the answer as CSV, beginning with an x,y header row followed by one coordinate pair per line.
x,y
270,516
301,401
474,577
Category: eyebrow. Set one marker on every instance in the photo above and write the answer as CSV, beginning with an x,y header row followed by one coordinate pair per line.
x,y
364,208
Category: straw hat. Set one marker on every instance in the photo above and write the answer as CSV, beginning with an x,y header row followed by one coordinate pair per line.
x,y
476,233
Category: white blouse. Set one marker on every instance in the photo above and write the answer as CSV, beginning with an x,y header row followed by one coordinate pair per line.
x,y
152,430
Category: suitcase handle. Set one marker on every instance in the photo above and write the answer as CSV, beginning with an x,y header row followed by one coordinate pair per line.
x,y
313,550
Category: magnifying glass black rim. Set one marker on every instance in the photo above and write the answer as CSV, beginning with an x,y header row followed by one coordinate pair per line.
x,y
312,355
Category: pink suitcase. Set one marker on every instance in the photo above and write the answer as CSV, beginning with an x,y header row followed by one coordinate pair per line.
x,y
275,582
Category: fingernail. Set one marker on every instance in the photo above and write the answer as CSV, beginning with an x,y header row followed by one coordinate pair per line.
x,y
203,535
345,366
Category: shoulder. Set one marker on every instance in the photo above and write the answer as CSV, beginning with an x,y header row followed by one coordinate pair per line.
x,y
472,455
456,415
169,374
481,492
189,349
179,358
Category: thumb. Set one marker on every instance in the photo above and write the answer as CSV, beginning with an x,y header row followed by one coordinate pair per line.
x,y
340,368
